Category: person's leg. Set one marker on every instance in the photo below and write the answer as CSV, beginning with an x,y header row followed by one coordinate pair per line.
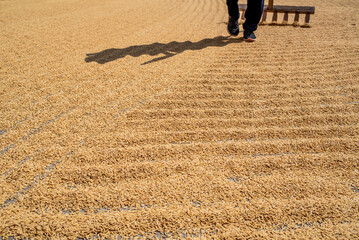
x,y
253,14
233,10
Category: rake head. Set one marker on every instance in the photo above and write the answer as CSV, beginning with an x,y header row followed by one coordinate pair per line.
x,y
281,9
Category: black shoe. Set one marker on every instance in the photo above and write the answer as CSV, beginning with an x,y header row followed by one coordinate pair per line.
x,y
233,26
249,36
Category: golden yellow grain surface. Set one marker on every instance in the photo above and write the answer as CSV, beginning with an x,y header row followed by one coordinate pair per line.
x,y
142,118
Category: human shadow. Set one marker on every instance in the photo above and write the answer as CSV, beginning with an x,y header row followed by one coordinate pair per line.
x,y
167,49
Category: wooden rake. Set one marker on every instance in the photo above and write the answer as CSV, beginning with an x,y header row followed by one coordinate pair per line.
x,y
275,9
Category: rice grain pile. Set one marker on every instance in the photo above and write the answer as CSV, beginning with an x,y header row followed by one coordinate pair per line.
x,y
142,118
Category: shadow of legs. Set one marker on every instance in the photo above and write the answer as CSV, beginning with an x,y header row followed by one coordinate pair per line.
x,y
168,49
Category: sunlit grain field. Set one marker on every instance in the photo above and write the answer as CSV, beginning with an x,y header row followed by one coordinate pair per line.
x,y
143,118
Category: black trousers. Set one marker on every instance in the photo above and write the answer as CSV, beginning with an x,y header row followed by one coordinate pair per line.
x,y
253,13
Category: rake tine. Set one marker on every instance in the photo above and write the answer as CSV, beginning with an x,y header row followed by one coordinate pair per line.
x,y
285,18
264,18
274,18
307,19
296,19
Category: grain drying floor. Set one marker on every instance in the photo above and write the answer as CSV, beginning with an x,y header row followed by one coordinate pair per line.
x,y
143,118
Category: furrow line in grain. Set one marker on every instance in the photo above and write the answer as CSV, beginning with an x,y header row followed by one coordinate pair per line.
x,y
260,78
241,165
304,100
253,111
255,91
234,134
299,104
200,190
228,119
261,96
300,54
275,84
223,114
225,146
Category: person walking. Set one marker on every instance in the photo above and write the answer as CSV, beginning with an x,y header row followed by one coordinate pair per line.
x,y
253,16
